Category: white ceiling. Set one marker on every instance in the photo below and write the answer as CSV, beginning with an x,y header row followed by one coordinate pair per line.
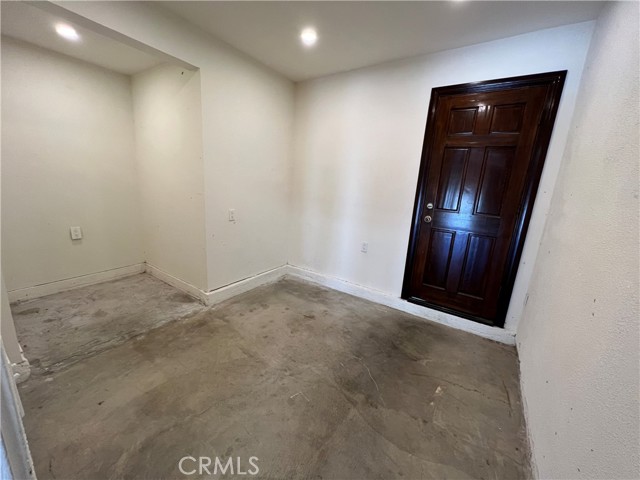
x,y
33,25
351,34
357,34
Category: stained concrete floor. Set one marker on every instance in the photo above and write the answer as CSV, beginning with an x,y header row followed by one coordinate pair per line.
x,y
61,329
314,383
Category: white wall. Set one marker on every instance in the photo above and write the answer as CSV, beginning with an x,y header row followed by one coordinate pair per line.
x,y
168,133
249,136
358,141
67,160
578,340
247,122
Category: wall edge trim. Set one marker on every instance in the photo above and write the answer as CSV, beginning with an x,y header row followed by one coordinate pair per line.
x,y
228,291
175,282
57,286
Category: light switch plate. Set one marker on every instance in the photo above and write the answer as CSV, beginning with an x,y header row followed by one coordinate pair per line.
x,y
76,233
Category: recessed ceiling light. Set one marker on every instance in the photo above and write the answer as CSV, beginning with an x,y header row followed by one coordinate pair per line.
x,y
309,36
67,31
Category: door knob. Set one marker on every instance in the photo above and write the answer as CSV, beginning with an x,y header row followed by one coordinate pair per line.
x,y
428,219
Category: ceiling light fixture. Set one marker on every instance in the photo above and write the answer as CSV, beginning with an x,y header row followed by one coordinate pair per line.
x,y
309,36
67,31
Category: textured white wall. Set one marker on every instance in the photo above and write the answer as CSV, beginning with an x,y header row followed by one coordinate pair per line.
x,y
168,133
358,141
247,123
578,340
67,160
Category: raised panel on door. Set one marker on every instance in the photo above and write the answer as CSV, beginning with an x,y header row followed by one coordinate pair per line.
x,y
494,179
507,118
452,173
439,258
462,121
477,257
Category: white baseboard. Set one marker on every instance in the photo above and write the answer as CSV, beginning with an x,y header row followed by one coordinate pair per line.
x,y
224,293
75,282
492,333
177,283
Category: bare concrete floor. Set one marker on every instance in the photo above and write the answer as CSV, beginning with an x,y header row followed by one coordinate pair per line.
x,y
312,382
58,330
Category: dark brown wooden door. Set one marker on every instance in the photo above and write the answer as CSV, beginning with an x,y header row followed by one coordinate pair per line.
x,y
481,164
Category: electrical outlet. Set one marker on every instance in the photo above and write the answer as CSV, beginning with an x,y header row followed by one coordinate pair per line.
x,y
365,247
232,215
76,233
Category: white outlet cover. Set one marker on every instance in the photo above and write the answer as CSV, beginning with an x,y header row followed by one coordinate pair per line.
x,y
76,233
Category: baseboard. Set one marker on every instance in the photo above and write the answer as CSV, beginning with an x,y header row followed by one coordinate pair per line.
x,y
208,298
177,283
226,292
58,286
223,293
492,333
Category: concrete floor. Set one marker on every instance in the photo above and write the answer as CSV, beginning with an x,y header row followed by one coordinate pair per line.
x,y
58,330
315,383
